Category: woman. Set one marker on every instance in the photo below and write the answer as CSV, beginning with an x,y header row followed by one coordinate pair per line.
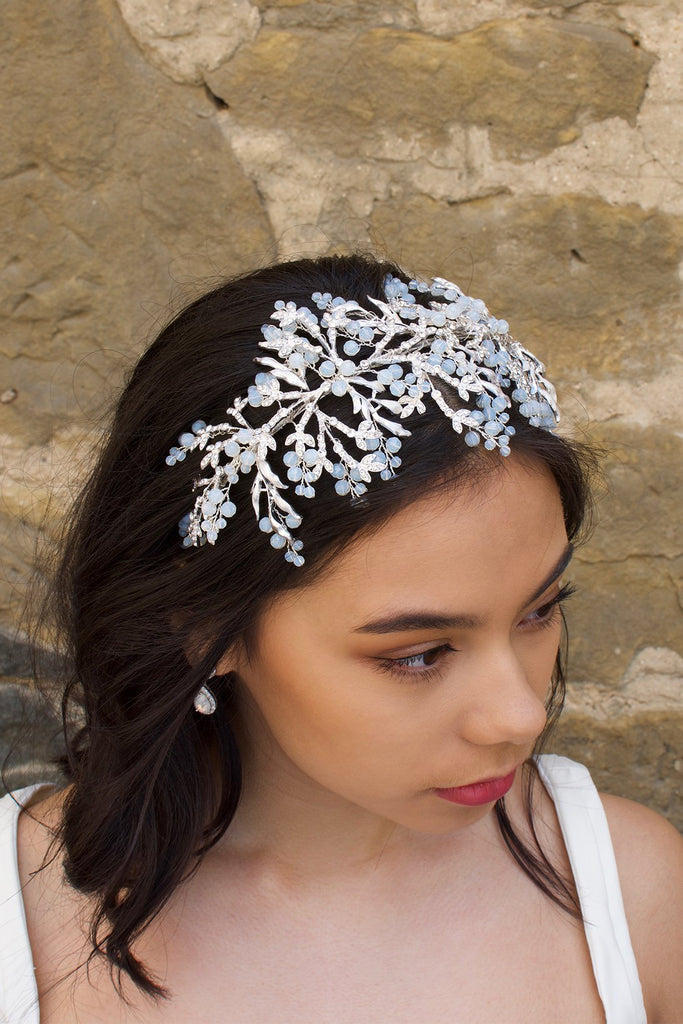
x,y
304,788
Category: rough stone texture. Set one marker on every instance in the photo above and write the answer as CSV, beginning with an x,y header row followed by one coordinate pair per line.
x,y
187,38
529,149
642,720
414,87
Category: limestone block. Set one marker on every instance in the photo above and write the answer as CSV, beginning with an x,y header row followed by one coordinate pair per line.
x,y
116,189
631,738
533,83
590,286
188,37
310,13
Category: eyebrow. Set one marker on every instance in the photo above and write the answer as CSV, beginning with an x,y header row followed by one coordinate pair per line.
x,y
406,622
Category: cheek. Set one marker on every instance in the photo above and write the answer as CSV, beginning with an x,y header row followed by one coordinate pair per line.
x,y
327,712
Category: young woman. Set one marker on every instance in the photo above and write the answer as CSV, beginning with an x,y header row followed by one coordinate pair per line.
x,y
311,604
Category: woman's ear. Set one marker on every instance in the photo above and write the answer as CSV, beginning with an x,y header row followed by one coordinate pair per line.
x,y
229,662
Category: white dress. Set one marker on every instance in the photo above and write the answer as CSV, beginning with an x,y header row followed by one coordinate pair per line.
x,y
588,842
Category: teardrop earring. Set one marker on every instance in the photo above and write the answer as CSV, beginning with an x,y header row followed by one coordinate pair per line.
x,y
204,700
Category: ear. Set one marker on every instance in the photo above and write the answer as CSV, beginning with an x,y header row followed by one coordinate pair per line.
x,y
232,660
228,663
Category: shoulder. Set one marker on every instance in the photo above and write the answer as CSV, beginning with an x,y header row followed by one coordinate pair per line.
x,y
649,856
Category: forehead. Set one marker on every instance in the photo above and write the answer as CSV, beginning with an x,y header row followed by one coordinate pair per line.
x,y
453,549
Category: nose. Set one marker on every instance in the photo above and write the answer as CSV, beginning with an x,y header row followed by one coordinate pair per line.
x,y
502,706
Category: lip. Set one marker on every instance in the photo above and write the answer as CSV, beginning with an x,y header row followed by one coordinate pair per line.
x,y
487,791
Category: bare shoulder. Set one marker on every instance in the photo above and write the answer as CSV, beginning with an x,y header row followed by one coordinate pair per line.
x,y
649,855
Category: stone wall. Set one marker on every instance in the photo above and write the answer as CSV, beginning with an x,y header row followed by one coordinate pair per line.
x,y
531,151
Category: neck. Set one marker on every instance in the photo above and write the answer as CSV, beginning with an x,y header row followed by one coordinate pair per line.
x,y
296,828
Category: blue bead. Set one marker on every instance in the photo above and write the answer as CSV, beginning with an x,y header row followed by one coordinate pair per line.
x,y
290,458
327,368
293,520
396,370
338,471
386,474
348,367
355,474
471,439
186,439
311,456
198,425
228,509
448,366
265,525
490,444
294,474
351,348
339,388
371,443
342,487
393,444
277,541
231,448
385,376
244,435
366,334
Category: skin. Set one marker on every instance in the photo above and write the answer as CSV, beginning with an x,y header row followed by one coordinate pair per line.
x,y
345,889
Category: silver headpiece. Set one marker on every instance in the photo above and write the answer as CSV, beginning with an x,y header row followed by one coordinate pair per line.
x,y
388,362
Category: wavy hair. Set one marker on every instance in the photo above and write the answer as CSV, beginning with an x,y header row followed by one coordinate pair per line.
x,y
154,785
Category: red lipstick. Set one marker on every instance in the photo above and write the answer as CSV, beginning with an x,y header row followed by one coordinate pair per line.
x,y
485,792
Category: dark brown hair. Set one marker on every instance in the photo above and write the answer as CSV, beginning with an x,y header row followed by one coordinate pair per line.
x,y
155,784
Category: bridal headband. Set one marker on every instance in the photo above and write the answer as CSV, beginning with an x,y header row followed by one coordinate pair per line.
x,y
388,362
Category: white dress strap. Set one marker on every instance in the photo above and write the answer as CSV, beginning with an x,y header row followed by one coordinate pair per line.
x,y
591,855
18,990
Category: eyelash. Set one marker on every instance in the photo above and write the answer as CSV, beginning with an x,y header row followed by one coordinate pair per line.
x,y
545,617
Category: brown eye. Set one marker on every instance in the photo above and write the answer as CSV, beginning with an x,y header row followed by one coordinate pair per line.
x,y
422,664
545,615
